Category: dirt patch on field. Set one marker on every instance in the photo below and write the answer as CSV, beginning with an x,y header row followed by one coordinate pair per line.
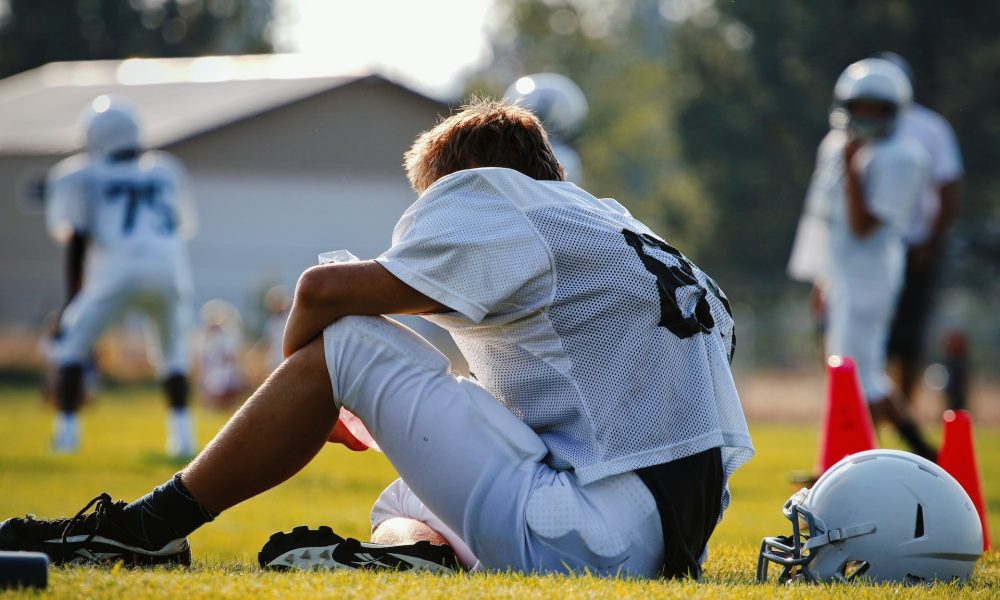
x,y
800,397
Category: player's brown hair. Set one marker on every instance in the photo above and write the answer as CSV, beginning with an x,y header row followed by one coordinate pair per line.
x,y
483,133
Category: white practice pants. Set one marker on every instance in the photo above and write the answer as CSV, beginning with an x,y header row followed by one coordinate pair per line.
x,y
468,463
108,294
860,331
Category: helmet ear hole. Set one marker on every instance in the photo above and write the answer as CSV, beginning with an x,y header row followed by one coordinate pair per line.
x,y
854,568
918,529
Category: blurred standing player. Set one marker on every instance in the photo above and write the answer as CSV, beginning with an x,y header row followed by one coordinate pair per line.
x,y
561,106
220,345
277,302
850,241
926,234
123,215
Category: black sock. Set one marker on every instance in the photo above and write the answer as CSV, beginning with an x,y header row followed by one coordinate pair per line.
x,y
911,435
167,513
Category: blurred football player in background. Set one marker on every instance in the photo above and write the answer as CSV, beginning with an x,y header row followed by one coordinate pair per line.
x,y
220,346
850,242
926,235
561,106
277,301
123,215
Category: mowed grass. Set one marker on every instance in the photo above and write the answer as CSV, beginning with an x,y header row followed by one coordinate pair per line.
x,y
123,454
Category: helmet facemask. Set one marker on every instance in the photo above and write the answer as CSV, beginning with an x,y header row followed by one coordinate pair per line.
x,y
865,118
809,536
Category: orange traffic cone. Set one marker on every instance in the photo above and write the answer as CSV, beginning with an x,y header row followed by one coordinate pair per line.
x,y
847,424
957,456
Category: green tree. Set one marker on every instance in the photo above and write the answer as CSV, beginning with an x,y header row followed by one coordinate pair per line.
x,y
35,32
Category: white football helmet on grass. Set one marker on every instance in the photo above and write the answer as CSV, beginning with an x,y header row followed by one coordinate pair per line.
x,y
881,516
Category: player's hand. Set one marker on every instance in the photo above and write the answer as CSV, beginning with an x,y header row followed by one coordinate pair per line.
x,y
850,149
342,435
817,302
924,255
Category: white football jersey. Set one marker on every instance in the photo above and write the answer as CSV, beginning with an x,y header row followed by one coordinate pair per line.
x,y
869,268
604,339
938,139
134,211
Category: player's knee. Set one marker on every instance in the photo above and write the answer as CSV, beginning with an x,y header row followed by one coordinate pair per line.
x,y
385,335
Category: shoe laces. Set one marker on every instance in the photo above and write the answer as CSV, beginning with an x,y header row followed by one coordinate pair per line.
x,y
103,505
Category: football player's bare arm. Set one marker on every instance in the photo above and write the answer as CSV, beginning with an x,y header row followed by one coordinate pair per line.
x,y
926,253
861,219
327,292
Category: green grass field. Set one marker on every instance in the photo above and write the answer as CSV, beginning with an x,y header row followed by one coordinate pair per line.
x,y
122,454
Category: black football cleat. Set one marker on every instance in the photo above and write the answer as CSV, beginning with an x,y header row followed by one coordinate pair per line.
x,y
98,538
321,549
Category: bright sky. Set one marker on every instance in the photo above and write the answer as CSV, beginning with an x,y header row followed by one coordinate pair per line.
x,y
427,42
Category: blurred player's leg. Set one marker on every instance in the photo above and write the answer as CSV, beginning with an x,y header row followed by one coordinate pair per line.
x,y
180,426
172,315
909,326
86,317
892,409
69,394
860,331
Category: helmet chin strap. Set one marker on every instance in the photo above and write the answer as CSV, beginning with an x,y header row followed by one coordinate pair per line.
x,y
838,535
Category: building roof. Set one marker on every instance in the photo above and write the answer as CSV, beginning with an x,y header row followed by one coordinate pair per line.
x,y
176,98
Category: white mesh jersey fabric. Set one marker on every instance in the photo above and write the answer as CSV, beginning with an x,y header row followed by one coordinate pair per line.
x,y
606,341
131,210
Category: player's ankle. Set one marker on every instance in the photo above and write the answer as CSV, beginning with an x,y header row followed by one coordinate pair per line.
x,y
399,531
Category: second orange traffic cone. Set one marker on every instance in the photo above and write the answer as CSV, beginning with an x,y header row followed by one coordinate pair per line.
x,y
957,456
847,424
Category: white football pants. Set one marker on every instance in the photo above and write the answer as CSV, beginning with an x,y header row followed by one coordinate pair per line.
x,y
468,463
860,330
105,297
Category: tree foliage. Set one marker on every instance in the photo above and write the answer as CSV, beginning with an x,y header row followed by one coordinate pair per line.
x,y
35,32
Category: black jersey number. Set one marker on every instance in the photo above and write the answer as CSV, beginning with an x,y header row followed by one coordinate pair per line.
x,y
668,279
138,195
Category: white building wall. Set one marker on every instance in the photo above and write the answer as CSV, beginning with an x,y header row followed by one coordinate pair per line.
x,y
259,229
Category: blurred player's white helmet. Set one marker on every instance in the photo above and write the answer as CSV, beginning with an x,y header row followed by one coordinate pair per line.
x,y
219,313
879,515
872,80
554,98
110,126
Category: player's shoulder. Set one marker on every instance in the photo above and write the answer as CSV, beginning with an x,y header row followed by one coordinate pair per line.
x,y
919,116
900,151
160,160
70,168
